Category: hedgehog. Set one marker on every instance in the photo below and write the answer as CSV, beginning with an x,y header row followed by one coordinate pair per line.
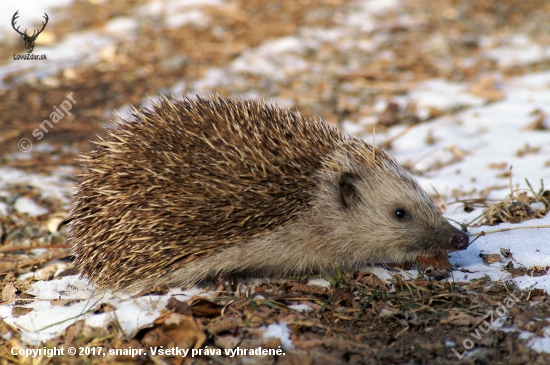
x,y
204,187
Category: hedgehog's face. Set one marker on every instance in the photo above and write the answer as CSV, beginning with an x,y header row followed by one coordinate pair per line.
x,y
388,217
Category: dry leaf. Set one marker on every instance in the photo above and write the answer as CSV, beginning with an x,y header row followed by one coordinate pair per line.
x,y
227,342
224,324
490,258
497,165
486,88
178,307
175,330
539,124
527,150
390,116
385,311
438,262
65,302
9,293
458,319
104,308
131,355
47,273
371,280
20,311
205,308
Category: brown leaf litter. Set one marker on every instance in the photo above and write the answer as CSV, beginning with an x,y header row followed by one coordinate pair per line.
x,y
518,207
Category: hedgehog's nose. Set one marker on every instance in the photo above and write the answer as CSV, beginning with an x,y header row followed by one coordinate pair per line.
x,y
460,240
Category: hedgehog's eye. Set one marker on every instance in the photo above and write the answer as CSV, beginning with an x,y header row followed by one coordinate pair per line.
x,y
400,214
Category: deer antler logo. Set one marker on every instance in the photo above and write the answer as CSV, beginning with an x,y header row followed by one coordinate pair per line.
x,y
29,40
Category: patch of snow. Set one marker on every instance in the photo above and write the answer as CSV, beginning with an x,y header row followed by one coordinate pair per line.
x,y
178,12
442,95
47,321
195,17
158,7
101,320
67,287
280,331
529,247
525,335
480,136
4,209
283,61
60,56
541,344
520,50
320,282
29,207
381,272
54,185
121,25
133,315
301,307
363,15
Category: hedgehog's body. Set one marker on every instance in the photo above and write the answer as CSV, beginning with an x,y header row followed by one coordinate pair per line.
x,y
203,187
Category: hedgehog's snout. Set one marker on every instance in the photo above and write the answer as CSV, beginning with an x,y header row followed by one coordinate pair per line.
x,y
460,240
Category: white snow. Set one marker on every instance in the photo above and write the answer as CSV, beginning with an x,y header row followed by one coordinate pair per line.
x,y
442,95
29,207
540,344
280,331
176,13
491,133
53,186
518,50
4,207
301,307
48,320
320,282
61,55
121,25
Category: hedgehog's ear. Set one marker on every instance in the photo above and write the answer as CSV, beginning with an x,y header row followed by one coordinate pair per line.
x,y
348,190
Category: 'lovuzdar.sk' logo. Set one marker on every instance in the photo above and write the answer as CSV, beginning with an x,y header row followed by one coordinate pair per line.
x,y
29,39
